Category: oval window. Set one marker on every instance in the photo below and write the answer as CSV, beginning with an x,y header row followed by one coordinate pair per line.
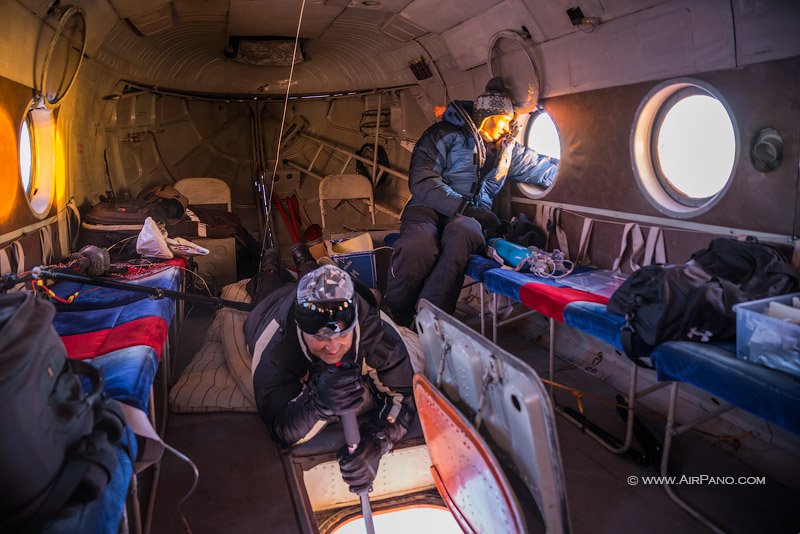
x,y
37,159
542,136
684,147
694,146
26,156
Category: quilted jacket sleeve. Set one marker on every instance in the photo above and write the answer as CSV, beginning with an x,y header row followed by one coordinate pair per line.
x,y
425,180
530,167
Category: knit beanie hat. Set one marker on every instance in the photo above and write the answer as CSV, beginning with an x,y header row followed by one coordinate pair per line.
x,y
494,101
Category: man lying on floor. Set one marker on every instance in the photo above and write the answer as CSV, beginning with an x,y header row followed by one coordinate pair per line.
x,y
320,349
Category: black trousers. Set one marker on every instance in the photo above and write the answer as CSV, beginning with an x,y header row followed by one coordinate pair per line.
x,y
429,260
271,276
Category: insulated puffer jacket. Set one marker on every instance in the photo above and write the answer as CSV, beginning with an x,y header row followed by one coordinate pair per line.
x,y
443,171
284,377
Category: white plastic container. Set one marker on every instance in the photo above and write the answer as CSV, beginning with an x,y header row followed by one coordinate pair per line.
x,y
767,340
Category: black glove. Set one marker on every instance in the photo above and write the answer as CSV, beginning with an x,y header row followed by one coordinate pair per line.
x,y
339,390
486,217
359,467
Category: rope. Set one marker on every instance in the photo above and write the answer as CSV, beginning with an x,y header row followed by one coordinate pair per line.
x,y
38,285
577,393
285,106
580,395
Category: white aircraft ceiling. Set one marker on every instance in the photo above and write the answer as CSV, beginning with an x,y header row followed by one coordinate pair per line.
x,y
367,44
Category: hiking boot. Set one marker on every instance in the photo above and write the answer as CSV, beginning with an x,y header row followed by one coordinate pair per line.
x,y
302,258
270,261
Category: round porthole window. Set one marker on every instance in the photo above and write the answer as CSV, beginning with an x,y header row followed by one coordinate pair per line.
x,y
37,159
542,136
684,147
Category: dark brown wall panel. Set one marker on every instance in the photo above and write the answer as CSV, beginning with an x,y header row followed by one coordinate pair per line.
x,y
596,169
595,133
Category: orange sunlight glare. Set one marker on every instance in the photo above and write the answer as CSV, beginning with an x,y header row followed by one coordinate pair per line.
x,y
60,170
9,172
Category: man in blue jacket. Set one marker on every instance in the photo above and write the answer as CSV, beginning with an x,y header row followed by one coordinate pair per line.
x,y
457,168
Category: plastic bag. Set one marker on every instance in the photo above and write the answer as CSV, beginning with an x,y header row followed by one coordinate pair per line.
x,y
184,248
152,241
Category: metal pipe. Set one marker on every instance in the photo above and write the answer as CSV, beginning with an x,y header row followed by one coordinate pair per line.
x,y
352,438
552,354
257,182
375,148
362,159
293,165
259,161
155,292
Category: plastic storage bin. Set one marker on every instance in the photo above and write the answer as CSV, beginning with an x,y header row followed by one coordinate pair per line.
x,y
767,340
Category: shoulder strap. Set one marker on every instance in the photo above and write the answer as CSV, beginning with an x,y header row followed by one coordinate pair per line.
x,y
74,231
471,131
5,262
635,252
583,245
626,336
654,250
94,375
46,241
19,256
561,235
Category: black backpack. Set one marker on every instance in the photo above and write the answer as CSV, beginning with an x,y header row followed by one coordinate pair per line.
x,y
694,301
524,232
56,440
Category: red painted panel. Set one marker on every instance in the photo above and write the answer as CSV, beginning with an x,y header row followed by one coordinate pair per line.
x,y
466,472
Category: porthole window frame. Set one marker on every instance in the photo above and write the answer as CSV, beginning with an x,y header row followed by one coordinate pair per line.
x,y
27,126
650,179
530,190
42,188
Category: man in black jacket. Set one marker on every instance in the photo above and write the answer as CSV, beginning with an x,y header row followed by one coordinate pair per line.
x,y
457,168
320,350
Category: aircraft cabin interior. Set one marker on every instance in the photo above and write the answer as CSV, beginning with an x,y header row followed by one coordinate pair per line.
x,y
388,266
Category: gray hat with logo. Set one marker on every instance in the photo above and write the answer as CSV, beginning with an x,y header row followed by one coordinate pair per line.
x,y
325,284
325,307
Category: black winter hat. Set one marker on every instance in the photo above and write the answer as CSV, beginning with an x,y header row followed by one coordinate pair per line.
x,y
494,101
